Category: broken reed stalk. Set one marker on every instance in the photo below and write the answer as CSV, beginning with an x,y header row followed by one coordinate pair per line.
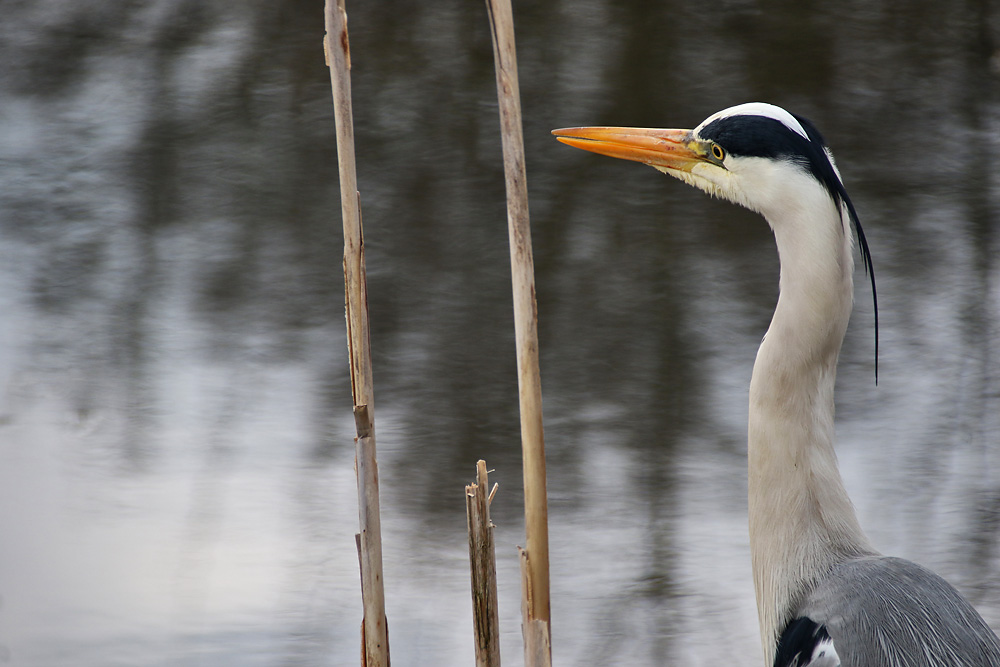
x,y
374,632
536,604
482,561
537,646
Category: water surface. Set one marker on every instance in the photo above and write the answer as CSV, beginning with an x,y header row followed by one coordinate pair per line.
x,y
176,482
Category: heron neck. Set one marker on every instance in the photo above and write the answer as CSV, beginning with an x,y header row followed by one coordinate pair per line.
x,y
801,519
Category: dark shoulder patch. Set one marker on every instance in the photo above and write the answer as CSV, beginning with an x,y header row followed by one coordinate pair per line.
x,y
798,642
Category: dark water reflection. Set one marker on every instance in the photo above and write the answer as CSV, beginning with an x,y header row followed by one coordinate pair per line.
x,y
176,481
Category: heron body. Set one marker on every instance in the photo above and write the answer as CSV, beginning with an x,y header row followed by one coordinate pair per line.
x,y
825,596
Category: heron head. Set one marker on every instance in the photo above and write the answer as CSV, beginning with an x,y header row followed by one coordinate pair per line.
x,y
756,155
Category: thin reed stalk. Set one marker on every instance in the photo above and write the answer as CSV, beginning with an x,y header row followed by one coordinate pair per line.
x,y
374,630
482,561
535,560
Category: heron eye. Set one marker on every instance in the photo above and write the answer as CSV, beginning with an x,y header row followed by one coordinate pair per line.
x,y
718,153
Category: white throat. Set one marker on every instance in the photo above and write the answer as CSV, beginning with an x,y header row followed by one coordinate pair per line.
x,y
801,520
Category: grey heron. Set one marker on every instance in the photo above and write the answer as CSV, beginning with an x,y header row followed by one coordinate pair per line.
x,y
825,596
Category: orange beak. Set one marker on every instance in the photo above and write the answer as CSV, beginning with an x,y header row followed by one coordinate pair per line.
x,y
670,149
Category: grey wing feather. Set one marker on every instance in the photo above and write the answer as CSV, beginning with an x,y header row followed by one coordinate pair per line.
x,y
889,612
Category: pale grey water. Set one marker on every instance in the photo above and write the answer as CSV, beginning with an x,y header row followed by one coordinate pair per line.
x,y
176,483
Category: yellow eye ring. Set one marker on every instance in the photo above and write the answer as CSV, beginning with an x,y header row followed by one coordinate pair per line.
x,y
718,153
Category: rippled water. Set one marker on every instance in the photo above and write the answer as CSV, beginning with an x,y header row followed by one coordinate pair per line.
x,y
176,482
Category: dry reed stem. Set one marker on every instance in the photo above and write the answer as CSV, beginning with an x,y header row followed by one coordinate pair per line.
x,y
537,642
525,320
482,561
375,636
